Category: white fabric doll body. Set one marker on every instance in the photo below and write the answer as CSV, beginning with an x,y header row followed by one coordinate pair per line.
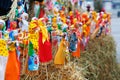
x,y
3,52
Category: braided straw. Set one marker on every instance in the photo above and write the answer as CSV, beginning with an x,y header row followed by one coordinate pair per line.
x,y
11,14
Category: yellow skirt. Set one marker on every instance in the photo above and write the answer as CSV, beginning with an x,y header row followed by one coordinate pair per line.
x,y
60,55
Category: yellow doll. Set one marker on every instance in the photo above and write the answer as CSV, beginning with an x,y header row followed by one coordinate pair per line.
x,y
84,27
63,17
94,16
60,55
54,22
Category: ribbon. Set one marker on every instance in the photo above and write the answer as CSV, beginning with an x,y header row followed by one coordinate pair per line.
x,y
43,29
39,24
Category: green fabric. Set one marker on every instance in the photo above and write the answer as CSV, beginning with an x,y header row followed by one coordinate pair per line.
x,y
49,29
30,49
65,30
56,3
4,28
38,12
16,14
59,26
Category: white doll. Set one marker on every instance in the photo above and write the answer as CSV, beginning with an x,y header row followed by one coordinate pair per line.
x,y
3,52
23,23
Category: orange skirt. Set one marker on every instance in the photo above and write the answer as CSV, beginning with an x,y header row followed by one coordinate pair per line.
x,y
13,67
77,52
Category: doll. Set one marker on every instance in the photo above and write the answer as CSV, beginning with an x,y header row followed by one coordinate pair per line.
x,y
36,8
73,41
23,23
45,48
71,17
3,51
60,55
54,23
93,21
20,8
13,64
77,52
42,41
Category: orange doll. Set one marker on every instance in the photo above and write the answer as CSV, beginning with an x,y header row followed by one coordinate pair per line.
x,y
13,64
77,52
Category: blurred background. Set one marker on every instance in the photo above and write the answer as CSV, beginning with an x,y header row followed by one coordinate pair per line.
x,y
112,6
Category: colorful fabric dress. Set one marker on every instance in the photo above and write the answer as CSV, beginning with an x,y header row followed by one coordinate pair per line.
x,y
54,42
77,52
45,47
33,58
45,50
3,50
42,12
73,42
60,55
3,58
13,64
42,41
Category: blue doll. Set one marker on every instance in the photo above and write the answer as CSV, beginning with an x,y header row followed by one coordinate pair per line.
x,y
33,60
73,42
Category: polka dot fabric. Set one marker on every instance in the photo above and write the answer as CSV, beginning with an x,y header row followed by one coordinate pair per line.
x,y
3,48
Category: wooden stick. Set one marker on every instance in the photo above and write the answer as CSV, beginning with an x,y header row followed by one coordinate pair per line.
x,y
26,77
46,72
23,72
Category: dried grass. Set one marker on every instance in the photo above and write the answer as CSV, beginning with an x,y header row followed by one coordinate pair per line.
x,y
101,58
66,72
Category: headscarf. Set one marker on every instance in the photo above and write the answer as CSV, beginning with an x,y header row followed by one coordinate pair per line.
x,y
3,22
13,25
24,15
19,3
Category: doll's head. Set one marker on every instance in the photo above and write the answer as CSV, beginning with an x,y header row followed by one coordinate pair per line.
x,y
13,25
71,13
19,4
24,16
84,18
2,25
74,21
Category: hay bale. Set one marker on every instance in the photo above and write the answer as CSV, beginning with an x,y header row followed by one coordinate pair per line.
x,y
100,59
